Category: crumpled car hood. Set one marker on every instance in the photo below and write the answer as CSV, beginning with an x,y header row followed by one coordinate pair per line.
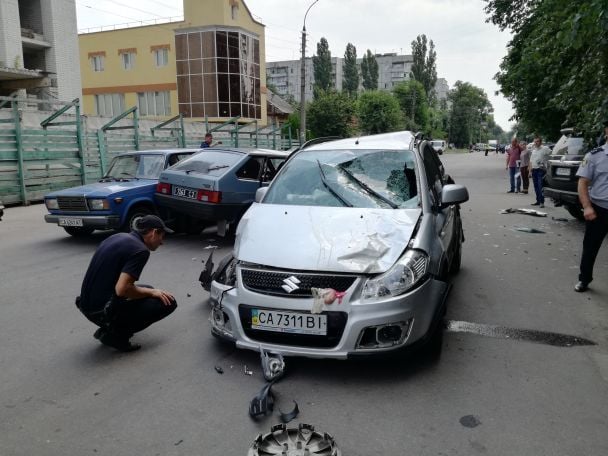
x,y
332,239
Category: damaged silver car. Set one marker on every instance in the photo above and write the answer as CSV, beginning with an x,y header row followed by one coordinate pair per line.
x,y
348,252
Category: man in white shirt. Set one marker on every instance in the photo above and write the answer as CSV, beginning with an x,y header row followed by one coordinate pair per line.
x,y
538,168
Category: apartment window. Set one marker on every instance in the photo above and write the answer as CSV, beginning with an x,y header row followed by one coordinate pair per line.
x,y
128,60
109,104
154,103
97,62
161,57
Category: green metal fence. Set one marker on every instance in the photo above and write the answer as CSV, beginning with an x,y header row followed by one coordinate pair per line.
x,y
61,154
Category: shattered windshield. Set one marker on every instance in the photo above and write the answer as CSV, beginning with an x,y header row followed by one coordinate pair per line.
x,y
363,178
127,167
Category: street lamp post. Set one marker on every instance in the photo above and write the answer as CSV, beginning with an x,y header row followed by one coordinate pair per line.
x,y
303,80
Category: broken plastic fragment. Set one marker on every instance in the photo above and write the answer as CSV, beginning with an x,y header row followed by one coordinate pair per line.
x,y
531,212
525,229
246,371
273,365
287,417
205,277
263,402
219,370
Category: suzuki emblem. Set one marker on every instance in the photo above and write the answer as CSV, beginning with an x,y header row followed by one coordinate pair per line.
x,y
290,284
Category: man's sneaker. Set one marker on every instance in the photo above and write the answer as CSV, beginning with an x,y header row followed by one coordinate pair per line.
x,y
581,286
510,191
99,333
541,205
117,342
535,204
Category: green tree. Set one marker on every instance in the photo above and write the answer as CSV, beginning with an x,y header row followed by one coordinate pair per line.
x,y
379,112
424,66
555,71
414,104
330,114
369,71
470,111
350,82
322,67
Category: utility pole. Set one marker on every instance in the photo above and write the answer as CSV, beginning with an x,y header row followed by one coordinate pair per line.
x,y
303,81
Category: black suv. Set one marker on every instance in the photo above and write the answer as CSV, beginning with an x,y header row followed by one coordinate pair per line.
x,y
561,181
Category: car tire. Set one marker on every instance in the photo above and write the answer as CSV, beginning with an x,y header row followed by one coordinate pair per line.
x,y
135,213
78,230
575,211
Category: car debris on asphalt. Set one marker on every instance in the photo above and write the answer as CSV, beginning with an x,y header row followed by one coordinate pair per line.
x,y
525,229
532,212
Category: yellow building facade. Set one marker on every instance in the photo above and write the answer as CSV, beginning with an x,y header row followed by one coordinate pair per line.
x,y
210,65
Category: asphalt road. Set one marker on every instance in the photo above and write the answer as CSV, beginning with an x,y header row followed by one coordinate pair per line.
x,y
62,393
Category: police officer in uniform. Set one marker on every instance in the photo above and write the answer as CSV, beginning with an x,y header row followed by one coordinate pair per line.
x,y
593,194
109,296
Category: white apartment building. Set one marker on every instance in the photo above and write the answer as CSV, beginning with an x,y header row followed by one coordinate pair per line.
x,y
39,49
392,69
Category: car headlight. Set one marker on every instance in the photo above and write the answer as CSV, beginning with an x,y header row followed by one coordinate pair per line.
x,y
99,204
51,203
405,274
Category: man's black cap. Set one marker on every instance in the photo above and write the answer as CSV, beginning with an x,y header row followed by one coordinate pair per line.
x,y
152,222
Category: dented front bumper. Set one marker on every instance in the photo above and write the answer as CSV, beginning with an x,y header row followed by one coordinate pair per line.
x,y
354,327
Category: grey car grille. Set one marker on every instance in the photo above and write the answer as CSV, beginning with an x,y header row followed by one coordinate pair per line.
x,y
72,203
277,282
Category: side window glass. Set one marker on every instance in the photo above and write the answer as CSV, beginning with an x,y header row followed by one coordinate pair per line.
x,y
174,158
433,173
251,169
271,168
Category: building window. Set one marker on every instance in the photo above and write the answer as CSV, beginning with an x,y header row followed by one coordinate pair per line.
x,y
97,62
161,57
218,74
154,103
109,104
128,60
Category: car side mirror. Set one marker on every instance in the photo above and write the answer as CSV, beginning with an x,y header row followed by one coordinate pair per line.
x,y
453,194
259,194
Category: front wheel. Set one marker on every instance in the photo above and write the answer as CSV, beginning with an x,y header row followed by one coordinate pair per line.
x,y
134,214
78,230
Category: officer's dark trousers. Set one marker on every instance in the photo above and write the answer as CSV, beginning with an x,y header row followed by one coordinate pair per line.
x,y
124,317
595,232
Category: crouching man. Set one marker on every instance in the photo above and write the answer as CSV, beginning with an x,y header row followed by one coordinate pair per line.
x,y
109,296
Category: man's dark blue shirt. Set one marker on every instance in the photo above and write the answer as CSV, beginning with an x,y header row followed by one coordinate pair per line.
x,y
119,253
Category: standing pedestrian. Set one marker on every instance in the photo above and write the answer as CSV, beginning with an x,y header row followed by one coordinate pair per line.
x,y
109,296
513,154
523,167
593,194
538,167
208,142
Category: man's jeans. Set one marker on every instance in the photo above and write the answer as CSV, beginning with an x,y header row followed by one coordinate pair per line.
x,y
512,171
537,179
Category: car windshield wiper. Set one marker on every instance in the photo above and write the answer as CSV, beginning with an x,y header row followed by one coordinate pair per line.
x,y
328,187
215,168
367,188
108,179
129,175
